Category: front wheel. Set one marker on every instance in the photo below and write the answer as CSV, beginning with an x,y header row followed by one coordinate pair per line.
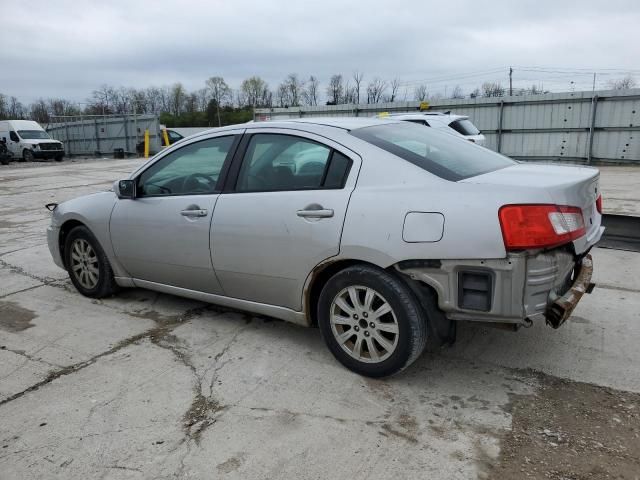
x,y
87,264
27,155
371,322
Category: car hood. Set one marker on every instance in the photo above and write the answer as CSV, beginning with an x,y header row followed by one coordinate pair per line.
x,y
37,141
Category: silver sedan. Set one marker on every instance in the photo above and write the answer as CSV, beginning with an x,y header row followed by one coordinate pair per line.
x,y
382,233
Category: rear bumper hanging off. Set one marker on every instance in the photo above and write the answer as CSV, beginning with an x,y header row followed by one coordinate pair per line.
x,y
558,312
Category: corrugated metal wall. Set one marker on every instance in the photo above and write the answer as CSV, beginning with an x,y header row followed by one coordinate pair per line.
x,y
585,127
101,134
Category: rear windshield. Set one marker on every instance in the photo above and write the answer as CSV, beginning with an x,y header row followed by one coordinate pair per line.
x,y
465,127
442,154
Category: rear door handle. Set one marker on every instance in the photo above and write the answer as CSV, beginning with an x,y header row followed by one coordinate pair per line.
x,y
315,213
199,212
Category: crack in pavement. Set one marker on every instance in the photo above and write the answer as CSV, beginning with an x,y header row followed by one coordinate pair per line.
x,y
155,334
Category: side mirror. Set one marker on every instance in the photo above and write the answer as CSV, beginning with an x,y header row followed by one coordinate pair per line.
x,y
125,188
13,136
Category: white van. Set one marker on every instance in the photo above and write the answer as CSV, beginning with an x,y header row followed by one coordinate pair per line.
x,y
26,140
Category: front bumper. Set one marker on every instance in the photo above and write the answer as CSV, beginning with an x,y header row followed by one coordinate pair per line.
x,y
47,154
523,288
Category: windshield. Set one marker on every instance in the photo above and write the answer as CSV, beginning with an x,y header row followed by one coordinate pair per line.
x,y
442,154
465,127
33,134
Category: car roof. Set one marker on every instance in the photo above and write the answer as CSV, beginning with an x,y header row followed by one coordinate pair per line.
x,y
343,123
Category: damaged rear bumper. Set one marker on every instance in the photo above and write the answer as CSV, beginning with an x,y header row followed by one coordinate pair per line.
x,y
523,288
562,308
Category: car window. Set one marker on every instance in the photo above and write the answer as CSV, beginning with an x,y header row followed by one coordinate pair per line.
x,y
442,154
419,122
174,136
282,162
338,171
190,170
465,127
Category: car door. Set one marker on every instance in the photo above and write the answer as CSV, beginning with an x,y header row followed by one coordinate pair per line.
x,y
281,215
162,235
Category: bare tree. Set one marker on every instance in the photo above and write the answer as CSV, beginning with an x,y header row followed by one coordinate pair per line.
x,y
282,95
624,83
16,109
219,92
357,79
102,99
203,99
254,92
493,89
311,91
375,90
420,93
457,92
294,87
335,90
475,93
395,87
38,111
177,95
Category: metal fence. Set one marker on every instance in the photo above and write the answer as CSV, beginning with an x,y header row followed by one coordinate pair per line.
x,y
582,127
102,134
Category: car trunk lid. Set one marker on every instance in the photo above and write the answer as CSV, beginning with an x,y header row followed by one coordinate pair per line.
x,y
559,184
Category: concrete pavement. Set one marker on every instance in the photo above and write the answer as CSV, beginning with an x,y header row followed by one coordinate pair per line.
x,y
146,385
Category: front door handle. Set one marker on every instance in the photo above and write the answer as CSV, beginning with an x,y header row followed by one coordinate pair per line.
x,y
315,211
194,212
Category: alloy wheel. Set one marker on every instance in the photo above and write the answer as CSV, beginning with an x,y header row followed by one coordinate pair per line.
x,y
364,324
84,263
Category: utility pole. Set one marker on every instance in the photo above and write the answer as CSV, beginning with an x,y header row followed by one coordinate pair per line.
x,y
510,81
593,89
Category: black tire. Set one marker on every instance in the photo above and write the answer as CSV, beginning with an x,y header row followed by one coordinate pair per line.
x,y
27,155
410,317
105,285
59,158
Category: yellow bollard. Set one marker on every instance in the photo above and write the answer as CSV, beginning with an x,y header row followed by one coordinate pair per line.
x,y
146,143
166,137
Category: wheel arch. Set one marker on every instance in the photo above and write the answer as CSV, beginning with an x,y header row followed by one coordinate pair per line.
x,y
65,228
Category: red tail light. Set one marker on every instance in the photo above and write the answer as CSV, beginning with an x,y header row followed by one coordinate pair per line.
x,y
539,226
599,204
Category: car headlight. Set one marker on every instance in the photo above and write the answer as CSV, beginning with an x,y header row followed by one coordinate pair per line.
x,y
34,147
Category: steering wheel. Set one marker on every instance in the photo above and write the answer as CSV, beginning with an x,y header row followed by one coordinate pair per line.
x,y
194,184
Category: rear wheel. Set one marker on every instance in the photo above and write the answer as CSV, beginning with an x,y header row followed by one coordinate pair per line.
x,y
27,155
371,322
87,264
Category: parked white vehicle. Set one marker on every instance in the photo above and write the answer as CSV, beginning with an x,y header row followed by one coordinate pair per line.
x,y
27,140
459,125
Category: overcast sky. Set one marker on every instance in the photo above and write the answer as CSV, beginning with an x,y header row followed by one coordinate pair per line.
x,y
68,48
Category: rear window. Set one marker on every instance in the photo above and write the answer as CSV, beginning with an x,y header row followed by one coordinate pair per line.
x,y
465,127
442,154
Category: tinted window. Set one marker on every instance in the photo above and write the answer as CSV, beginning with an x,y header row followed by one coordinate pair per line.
x,y
192,169
338,171
465,127
419,122
442,154
282,162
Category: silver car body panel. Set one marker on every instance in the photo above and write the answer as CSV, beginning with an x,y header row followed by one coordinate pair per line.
x,y
253,252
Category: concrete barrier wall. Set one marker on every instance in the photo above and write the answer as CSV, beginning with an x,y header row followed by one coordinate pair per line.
x,y
583,127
